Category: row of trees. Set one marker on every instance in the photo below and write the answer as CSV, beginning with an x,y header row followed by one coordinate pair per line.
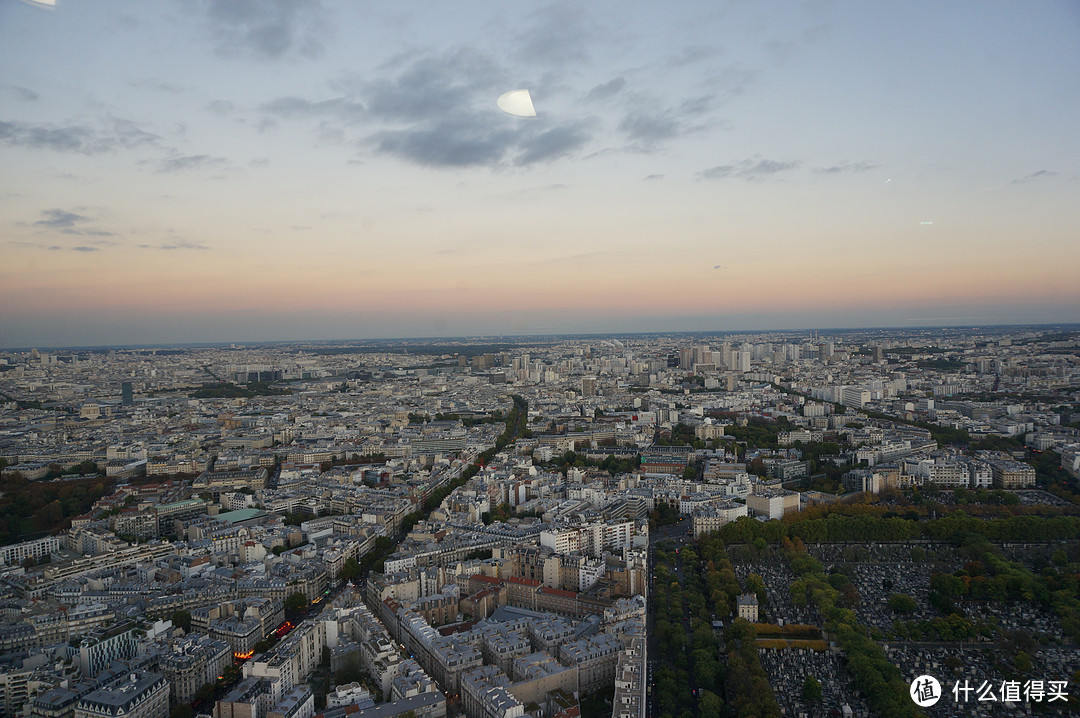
x,y
516,426
863,527
690,666
692,678
611,464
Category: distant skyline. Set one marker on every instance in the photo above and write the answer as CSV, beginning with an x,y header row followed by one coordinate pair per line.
x,y
261,170
525,339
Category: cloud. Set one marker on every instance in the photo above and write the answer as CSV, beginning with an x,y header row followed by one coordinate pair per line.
x,y
729,82
55,247
190,163
157,86
59,219
65,222
652,178
22,93
693,54
267,29
114,134
648,126
754,169
433,110
339,108
848,167
552,144
446,144
606,90
170,246
719,266
221,108
557,36
432,86
1041,174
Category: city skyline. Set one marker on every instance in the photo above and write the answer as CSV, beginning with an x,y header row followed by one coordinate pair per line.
x,y
301,171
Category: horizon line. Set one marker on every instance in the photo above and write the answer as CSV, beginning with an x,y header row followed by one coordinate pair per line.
x,y
496,338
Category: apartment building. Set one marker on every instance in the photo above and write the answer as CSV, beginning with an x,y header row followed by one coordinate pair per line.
x,y
141,695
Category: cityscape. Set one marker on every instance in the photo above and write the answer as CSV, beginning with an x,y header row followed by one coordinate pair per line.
x,y
767,524
620,359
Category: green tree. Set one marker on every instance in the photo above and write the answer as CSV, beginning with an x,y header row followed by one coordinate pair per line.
x,y
181,710
182,619
350,570
207,691
811,690
755,584
1022,662
902,603
709,704
296,602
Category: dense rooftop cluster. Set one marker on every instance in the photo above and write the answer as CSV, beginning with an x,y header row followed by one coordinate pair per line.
x,y
379,530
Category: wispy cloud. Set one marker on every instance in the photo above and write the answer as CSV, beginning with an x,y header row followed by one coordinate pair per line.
x,y
22,93
606,90
693,54
221,108
190,163
649,124
848,168
267,29
59,219
1041,174
557,35
339,108
754,169
82,248
649,127
112,135
175,245
552,144
156,85
65,222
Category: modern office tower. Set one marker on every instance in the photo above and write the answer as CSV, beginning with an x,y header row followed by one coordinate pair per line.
x,y
126,396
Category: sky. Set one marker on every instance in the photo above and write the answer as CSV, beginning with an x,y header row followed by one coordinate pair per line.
x,y
257,170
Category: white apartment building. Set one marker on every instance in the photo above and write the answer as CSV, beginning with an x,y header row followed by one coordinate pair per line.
x,y
15,554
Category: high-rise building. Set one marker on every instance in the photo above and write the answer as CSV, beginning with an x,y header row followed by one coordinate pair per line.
x,y
126,396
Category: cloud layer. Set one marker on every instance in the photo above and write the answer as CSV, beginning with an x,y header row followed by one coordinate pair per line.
x,y
266,29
